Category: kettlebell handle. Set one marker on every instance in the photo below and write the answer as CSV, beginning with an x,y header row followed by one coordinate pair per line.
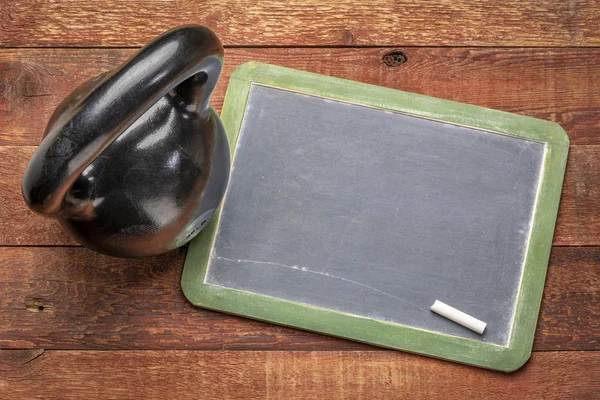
x,y
87,127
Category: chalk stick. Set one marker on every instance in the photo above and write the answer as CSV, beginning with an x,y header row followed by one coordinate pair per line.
x,y
458,316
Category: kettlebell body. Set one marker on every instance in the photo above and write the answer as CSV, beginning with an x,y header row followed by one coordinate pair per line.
x,y
135,162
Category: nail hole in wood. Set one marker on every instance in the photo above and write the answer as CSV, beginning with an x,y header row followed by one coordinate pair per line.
x,y
394,58
36,305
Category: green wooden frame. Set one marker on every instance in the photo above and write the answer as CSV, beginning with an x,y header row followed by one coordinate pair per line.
x,y
362,329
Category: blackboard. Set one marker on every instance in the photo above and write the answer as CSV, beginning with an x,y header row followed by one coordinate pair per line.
x,y
373,213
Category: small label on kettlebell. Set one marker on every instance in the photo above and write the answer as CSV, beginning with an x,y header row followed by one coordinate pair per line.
x,y
194,228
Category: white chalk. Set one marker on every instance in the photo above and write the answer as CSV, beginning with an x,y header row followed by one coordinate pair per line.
x,y
458,316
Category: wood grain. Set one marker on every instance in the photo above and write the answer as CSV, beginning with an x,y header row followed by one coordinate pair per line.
x,y
578,222
305,22
288,375
18,224
539,59
572,293
562,85
578,219
73,298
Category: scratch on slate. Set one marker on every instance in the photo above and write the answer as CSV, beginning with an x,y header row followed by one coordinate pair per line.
x,y
304,269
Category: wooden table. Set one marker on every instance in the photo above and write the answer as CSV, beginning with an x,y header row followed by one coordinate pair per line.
x,y
74,323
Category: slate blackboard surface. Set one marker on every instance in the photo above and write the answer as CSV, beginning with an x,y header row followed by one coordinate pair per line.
x,y
352,208
376,213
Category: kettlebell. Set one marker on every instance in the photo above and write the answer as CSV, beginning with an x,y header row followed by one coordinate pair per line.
x,y
135,162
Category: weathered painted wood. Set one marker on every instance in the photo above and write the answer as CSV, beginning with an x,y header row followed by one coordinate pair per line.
x,y
73,298
287,375
561,85
578,219
305,22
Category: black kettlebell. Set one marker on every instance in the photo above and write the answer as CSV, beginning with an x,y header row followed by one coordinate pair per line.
x,y
135,162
